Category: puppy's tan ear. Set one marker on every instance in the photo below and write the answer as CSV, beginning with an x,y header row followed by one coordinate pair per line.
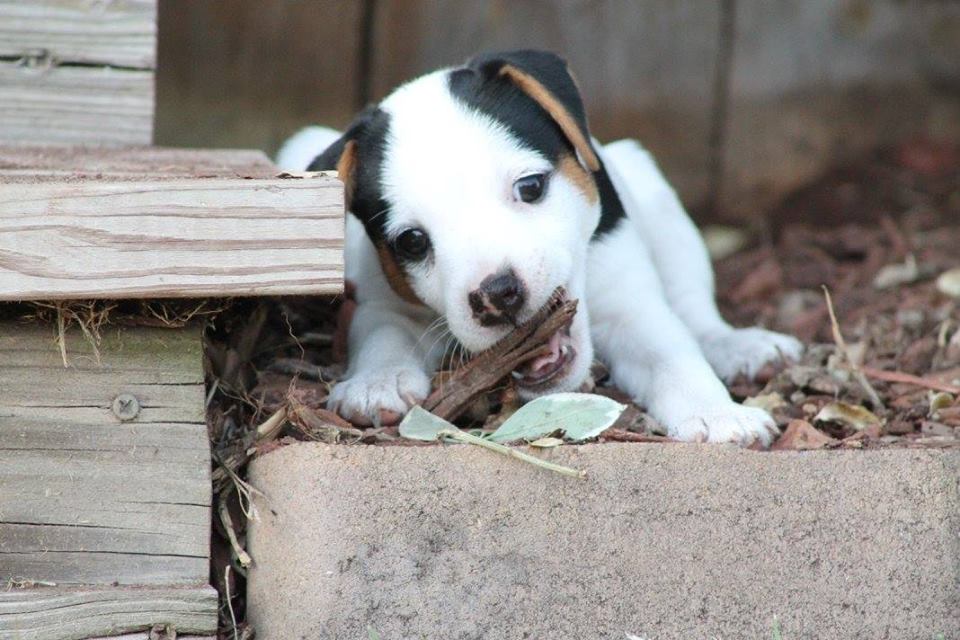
x,y
546,79
560,114
347,171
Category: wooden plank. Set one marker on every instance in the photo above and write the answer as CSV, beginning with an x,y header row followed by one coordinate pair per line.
x,y
129,236
251,73
117,33
646,69
33,164
46,613
75,105
86,498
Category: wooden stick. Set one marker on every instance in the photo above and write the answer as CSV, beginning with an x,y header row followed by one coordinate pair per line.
x,y
906,378
855,368
527,341
463,436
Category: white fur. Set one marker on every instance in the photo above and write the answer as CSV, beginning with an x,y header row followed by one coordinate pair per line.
x,y
646,288
301,148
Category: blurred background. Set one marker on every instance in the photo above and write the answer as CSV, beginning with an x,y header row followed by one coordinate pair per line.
x,y
741,101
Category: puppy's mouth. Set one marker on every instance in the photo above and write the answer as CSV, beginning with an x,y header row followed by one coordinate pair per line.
x,y
538,373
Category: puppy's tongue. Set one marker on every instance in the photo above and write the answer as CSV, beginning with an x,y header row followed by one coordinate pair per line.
x,y
538,365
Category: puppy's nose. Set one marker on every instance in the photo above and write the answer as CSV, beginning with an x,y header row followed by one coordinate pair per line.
x,y
498,299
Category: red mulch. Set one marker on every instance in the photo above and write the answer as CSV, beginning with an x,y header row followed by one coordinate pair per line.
x,y
840,231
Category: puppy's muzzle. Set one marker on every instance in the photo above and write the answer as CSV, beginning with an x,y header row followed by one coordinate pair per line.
x,y
498,299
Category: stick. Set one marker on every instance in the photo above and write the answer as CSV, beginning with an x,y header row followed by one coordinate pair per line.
x,y
906,378
462,436
483,372
842,346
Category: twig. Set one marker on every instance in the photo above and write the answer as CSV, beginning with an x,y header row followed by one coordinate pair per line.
x,y
226,587
224,511
845,353
622,435
906,378
483,372
462,436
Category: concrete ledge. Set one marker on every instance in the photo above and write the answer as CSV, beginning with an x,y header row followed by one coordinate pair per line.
x,y
662,541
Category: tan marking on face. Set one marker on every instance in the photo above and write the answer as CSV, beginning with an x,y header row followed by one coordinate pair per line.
x,y
347,171
535,89
581,179
396,276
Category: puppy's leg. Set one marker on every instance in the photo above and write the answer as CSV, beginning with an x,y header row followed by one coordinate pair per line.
x,y
387,373
652,355
683,266
388,348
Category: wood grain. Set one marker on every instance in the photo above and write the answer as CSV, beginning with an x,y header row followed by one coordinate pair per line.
x,y
131,226
118,33
44,163
45,613
252,73
75,105
84,497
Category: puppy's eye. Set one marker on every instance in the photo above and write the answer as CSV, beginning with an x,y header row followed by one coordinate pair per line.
x,y
530,188
412,244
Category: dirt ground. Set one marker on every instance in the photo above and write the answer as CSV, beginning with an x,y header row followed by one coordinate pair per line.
x,y
878,234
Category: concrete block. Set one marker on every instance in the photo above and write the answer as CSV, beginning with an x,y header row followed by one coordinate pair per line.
x,y
661,541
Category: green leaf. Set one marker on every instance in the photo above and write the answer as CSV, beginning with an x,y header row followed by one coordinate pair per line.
x,y
578,415
420,424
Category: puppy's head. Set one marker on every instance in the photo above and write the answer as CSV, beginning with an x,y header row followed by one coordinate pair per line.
x,y
477,187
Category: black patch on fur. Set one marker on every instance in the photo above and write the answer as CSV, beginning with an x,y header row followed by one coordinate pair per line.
x,y
480,86
611,208
369,130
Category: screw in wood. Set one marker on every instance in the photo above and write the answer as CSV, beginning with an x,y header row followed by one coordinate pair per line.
x,y
125,406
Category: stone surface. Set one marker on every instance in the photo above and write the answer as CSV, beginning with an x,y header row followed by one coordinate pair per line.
x,y
661,541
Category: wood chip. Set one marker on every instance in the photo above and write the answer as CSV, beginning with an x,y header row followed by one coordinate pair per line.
x,y
800,436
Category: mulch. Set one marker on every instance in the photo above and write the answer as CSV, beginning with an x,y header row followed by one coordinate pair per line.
x,y
876,234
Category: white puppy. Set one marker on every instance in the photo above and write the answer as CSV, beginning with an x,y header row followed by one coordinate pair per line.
x,y
473,193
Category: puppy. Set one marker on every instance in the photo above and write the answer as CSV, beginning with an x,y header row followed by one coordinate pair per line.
x,y
473,192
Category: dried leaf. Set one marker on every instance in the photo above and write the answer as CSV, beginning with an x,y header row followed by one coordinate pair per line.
x,y
949,283
939,400
546,443
768,401
800,435
853,416
578,415
894,275
723,241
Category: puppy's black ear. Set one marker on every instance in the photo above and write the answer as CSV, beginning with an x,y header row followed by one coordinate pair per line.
x,y
546,79
343,155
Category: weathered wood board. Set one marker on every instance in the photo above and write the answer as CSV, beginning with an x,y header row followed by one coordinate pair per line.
x,y
77,72
250,74
86,498
75,614
138,227
116,33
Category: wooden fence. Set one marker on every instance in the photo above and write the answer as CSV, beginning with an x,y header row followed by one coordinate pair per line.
x,y
741,100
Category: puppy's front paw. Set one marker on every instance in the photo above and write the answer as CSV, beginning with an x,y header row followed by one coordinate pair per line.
x,y
731,422
747,350
379,397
